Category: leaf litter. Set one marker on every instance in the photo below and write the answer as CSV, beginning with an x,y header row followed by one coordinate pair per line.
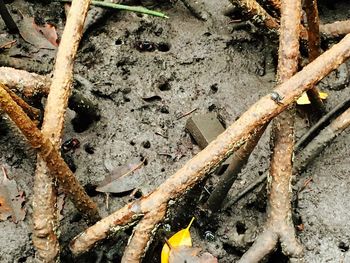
x,y
42,36
11,200
122,179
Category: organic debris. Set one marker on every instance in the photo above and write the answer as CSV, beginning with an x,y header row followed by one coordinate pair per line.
x,y
40,37
122,179
190,255
179,239
11,200
48,31
304,100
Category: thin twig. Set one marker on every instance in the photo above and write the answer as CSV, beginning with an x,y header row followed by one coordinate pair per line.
x,y
137,9
6,16
323,122
185,114
44,197
208,159
192,6
306,138
314,148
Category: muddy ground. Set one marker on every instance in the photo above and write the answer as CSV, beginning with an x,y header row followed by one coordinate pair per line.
x,y
203,65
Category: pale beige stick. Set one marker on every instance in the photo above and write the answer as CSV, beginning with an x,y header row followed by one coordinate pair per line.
x,y
44,198
336,29
26,83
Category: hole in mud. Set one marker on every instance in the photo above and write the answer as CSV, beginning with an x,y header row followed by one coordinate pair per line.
x,y
232,250
22,259
154,98
241,227
144,160
164,109
89,148
212,107
163,47
81,123
343,246
138,194
146,144
278,257
76,218
164,86
118,41
132,143
90,189
214,88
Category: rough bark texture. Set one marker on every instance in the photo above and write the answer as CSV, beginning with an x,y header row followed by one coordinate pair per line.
x,y
335,29
44,197
58,168
32,112
230,140
279,225
258,13
142,236
314,43
23,82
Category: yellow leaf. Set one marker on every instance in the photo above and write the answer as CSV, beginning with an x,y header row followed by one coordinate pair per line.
x,y
303,100
181,238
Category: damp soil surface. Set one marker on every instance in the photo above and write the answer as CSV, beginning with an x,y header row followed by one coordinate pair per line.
x,y
145,74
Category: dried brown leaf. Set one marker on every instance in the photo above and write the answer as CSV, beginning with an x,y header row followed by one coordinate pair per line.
x,y
49,32
187,254
11,200
122,179
28,31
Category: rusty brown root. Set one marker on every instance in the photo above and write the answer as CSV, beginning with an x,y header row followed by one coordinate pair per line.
x,y
279,225
58,168
208,159
32,112
259,15
44,196
314,43
324,138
